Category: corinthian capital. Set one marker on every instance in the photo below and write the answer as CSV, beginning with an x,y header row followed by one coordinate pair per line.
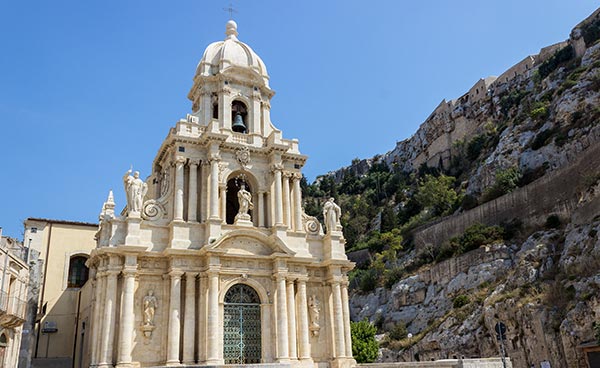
x,y
276,167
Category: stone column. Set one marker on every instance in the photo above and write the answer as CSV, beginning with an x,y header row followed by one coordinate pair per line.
x,y
223,201
338,331
278,195
190,318
282,323
193,192
202,306
97,317
127,318
214,187
297,202
291,310
304,340
173,338
108,328
204,203
346,315
212,320
178,207
287,211
261,209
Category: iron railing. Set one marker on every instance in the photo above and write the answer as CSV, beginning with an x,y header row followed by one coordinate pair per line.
x,y
12,305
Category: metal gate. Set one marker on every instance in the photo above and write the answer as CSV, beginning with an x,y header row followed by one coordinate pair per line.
x,y
241,323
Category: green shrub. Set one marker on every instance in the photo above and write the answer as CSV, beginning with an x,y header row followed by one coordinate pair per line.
x,y
506,181
392,276
561,56
543,138
591,32
399,332
596,326
460,301
475,236
552,222
475,146
364,346
539,112
511,228
468,202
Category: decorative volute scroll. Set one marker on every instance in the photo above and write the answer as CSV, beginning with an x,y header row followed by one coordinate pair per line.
x,y
311,224
154,209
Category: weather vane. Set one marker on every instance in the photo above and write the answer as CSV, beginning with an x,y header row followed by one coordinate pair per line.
x,y
231,10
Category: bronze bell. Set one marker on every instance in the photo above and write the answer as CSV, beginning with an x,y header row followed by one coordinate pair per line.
x,y
238,124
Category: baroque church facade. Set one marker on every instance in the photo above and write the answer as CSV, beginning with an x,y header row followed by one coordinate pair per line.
x,y
214,261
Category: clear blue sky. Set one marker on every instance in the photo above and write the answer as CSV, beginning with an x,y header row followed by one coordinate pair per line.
x,y
89,87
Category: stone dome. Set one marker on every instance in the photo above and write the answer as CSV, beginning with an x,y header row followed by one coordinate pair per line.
x,y
220,56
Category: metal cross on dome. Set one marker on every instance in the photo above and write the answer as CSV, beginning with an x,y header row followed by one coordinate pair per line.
x,y
231,10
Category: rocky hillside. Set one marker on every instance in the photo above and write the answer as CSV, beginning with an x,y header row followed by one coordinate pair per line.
x,y
515,147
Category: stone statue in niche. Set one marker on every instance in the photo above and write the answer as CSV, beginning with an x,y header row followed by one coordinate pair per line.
x,y
149,305
136,189
245,202
314,309
332,214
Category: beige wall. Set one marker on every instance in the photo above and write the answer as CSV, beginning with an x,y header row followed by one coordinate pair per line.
x,y
57,241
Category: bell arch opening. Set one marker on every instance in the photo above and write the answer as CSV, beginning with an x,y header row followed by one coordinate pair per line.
x,y
239,117
242,326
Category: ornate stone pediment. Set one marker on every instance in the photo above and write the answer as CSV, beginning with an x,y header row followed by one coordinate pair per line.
x,y
249,243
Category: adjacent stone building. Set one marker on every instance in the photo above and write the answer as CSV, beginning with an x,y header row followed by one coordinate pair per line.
x,y
214,261
13,291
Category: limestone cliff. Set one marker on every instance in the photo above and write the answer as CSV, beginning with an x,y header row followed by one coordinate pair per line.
x,y
541,117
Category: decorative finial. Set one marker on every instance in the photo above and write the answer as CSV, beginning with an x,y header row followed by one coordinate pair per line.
x,y
231,29
111,197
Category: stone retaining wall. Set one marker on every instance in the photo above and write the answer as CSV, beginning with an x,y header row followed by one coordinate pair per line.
x,y
446,363
555,193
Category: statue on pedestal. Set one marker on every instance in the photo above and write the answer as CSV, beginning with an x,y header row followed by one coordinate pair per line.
x,y
332,214
245,202
136,189
149,305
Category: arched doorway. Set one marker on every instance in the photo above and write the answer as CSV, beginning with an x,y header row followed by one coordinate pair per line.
x,y
241,326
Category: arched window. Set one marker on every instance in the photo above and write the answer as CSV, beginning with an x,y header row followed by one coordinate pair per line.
x,y
78,272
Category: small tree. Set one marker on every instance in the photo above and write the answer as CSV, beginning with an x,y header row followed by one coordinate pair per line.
x,y
364,346
437,194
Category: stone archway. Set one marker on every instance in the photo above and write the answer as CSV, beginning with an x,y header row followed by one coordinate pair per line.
x,y
242,326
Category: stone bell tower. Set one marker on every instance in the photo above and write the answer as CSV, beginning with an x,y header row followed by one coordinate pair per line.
x,y
214,259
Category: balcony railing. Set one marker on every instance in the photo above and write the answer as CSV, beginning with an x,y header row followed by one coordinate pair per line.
x,y
12,310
